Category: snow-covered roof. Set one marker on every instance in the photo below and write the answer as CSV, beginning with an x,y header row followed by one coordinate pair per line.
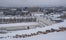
x,y
24,11
56,18
55,15
19,24
12,17
37,13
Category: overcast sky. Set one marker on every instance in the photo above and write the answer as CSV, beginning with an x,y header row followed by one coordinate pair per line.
x,y
22,3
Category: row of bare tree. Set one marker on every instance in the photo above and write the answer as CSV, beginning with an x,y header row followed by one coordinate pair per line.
x,y
40,32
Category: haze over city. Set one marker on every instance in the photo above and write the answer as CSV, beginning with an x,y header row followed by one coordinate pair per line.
x,y
31,3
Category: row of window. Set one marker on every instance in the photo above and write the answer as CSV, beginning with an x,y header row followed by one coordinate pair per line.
x,y
17,20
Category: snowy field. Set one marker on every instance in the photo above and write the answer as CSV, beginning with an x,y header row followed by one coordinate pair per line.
x,y
49,36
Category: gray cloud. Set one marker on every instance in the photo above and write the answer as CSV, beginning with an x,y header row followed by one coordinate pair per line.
x,y
32,3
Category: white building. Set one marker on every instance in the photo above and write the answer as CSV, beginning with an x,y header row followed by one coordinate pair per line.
x,y
19,26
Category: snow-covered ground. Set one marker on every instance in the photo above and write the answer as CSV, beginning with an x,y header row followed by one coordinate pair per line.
x,y
50,36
